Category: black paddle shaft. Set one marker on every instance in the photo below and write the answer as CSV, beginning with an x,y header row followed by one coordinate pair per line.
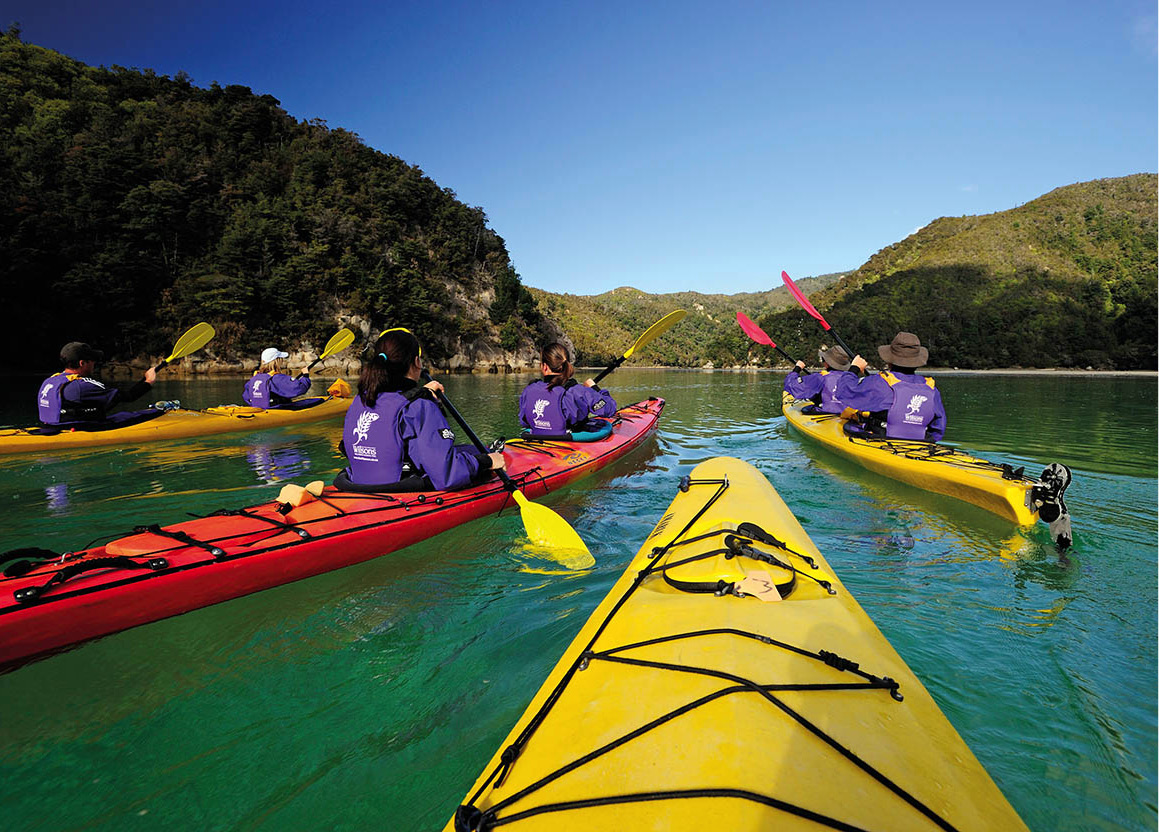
x,y
507,481
608,369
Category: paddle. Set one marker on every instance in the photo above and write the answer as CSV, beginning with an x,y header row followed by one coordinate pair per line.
x,y
193,340
760,337
544,526
337,343
809,308
655,331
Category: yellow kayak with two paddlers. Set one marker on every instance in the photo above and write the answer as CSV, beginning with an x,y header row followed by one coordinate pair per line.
x,y
998,487
729,681
179,423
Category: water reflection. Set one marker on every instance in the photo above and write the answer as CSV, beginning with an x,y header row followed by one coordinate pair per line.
x,y
56,498
273,464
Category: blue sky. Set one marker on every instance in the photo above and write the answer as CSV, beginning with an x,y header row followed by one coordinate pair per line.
x,y
681,145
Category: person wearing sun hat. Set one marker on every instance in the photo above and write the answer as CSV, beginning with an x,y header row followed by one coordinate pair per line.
x,y
72,397
824,386
897,403
272,386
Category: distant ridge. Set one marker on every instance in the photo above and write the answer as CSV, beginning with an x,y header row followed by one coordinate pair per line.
x,y
1065,280
603,326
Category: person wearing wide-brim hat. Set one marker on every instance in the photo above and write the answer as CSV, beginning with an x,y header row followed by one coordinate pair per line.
x,y
823,387
73,397
896,403
272,386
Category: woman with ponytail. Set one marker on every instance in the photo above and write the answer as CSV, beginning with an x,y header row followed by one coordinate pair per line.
x,y
396,437
558,405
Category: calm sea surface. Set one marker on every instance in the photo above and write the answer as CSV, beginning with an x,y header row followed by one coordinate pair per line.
x,y
371,697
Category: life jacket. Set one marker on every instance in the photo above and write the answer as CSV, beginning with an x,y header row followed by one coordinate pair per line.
x,y
913,407
49,403
372,438
257,391
830,380
543,407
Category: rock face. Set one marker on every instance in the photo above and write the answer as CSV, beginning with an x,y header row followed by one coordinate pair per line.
x,y
479,356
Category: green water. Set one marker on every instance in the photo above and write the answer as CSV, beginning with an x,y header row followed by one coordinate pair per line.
x,y
371,697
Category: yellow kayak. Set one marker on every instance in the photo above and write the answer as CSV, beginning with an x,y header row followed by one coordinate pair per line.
x,y
945,470
729,681
178,423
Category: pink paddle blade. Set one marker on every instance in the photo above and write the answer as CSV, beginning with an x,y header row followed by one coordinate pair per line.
x,y
752,330
802,300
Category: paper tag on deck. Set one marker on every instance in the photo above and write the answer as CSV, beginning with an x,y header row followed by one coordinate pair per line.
x,y
759,584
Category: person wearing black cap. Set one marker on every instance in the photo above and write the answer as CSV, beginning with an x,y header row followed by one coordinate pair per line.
x,y
73,396
823,387
896,403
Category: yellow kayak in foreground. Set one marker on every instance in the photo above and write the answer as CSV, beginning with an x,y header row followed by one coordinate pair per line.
x,y
729,681
945,470
179,423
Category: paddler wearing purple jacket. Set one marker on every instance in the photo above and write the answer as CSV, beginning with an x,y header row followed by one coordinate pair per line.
x,y
823,387
395,436
558,404
897,403
73,397
272,386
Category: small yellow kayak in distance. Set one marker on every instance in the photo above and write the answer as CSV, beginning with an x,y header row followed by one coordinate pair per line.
x,y
729,681
178,423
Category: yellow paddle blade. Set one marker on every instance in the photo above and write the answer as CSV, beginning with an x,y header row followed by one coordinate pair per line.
x,y
194,339
656,330
547,529
337,343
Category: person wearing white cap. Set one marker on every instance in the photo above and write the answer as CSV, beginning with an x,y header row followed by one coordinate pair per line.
x,y
272,386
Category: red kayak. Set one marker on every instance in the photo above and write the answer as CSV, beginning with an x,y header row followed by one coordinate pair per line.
x,y
163,571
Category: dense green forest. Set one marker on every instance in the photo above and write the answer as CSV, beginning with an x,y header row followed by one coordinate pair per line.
x,y
134,204
1066,280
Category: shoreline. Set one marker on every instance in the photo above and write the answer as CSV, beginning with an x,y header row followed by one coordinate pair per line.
x,y
121,372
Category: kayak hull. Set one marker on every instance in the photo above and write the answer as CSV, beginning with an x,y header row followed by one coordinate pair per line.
x,y
180,423
682,710
265,548
948,472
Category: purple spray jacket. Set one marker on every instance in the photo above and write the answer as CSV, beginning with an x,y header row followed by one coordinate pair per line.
x,y
828,383
49,405
913,406
269,390
397,429
547,410
65,398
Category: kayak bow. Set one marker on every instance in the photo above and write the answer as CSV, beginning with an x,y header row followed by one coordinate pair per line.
x,y
729,681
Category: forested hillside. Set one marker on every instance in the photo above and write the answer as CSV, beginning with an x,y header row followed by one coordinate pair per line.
x,y
133,204
1066,280
603,326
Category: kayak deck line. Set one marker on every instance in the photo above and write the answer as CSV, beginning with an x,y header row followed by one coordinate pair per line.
x,y
469,817
703,704
997,487
50,600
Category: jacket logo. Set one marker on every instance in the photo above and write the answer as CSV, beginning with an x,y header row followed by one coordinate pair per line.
x,y
44,392
362,428
258,385
540,404
447,434
915,404
599,406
